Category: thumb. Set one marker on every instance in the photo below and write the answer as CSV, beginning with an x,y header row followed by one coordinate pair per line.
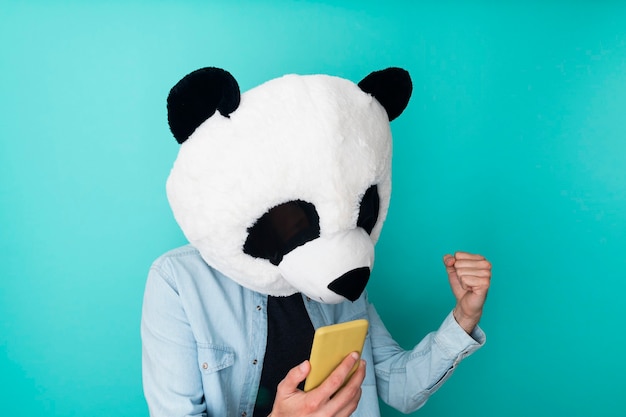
x,y
294,377
449,261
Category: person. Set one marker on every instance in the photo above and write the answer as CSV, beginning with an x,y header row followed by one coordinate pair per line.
x,y
205,343
282,193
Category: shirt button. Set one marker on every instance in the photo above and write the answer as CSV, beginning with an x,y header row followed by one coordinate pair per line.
x,y
244,414
205,365
254,362
258,308
308,298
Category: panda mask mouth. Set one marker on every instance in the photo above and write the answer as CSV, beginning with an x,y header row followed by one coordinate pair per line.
x,y
331,269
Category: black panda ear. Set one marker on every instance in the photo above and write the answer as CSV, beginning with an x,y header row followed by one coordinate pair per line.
x,y
392,87
196,97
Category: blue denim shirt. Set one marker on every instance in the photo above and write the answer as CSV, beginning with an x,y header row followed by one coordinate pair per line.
x,y
204,342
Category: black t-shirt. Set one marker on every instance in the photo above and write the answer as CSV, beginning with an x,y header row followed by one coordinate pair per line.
x,y
289,339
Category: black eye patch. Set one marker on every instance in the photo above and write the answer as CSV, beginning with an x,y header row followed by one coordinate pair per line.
x,y
281,230
370,207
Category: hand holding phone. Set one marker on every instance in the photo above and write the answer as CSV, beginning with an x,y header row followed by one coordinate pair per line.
x,y
327,399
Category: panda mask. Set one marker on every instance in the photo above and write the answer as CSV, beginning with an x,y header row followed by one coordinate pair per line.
x,y
285,188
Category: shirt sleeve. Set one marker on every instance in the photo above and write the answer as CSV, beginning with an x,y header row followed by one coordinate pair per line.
x,y
406,379
171,377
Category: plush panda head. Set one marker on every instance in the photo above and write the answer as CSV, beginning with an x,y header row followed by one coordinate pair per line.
x,y
285,188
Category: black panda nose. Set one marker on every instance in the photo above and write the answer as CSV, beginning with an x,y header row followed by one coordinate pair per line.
x,y
351,284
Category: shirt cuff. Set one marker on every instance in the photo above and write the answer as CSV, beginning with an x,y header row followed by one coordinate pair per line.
x,y
456,342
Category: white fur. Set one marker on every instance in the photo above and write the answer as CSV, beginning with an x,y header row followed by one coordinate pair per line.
x,y
339,253
315,138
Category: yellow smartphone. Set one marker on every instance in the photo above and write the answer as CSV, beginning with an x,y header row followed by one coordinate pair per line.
x,y
331,345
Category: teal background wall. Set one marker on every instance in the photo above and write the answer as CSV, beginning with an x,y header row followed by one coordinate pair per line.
x,y
513,145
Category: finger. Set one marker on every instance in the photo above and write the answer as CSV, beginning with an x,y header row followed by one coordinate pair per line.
x,y
356,379
467,255
351,407
479,272
294,377
476,284
473,263
347,399
449,261
336,379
